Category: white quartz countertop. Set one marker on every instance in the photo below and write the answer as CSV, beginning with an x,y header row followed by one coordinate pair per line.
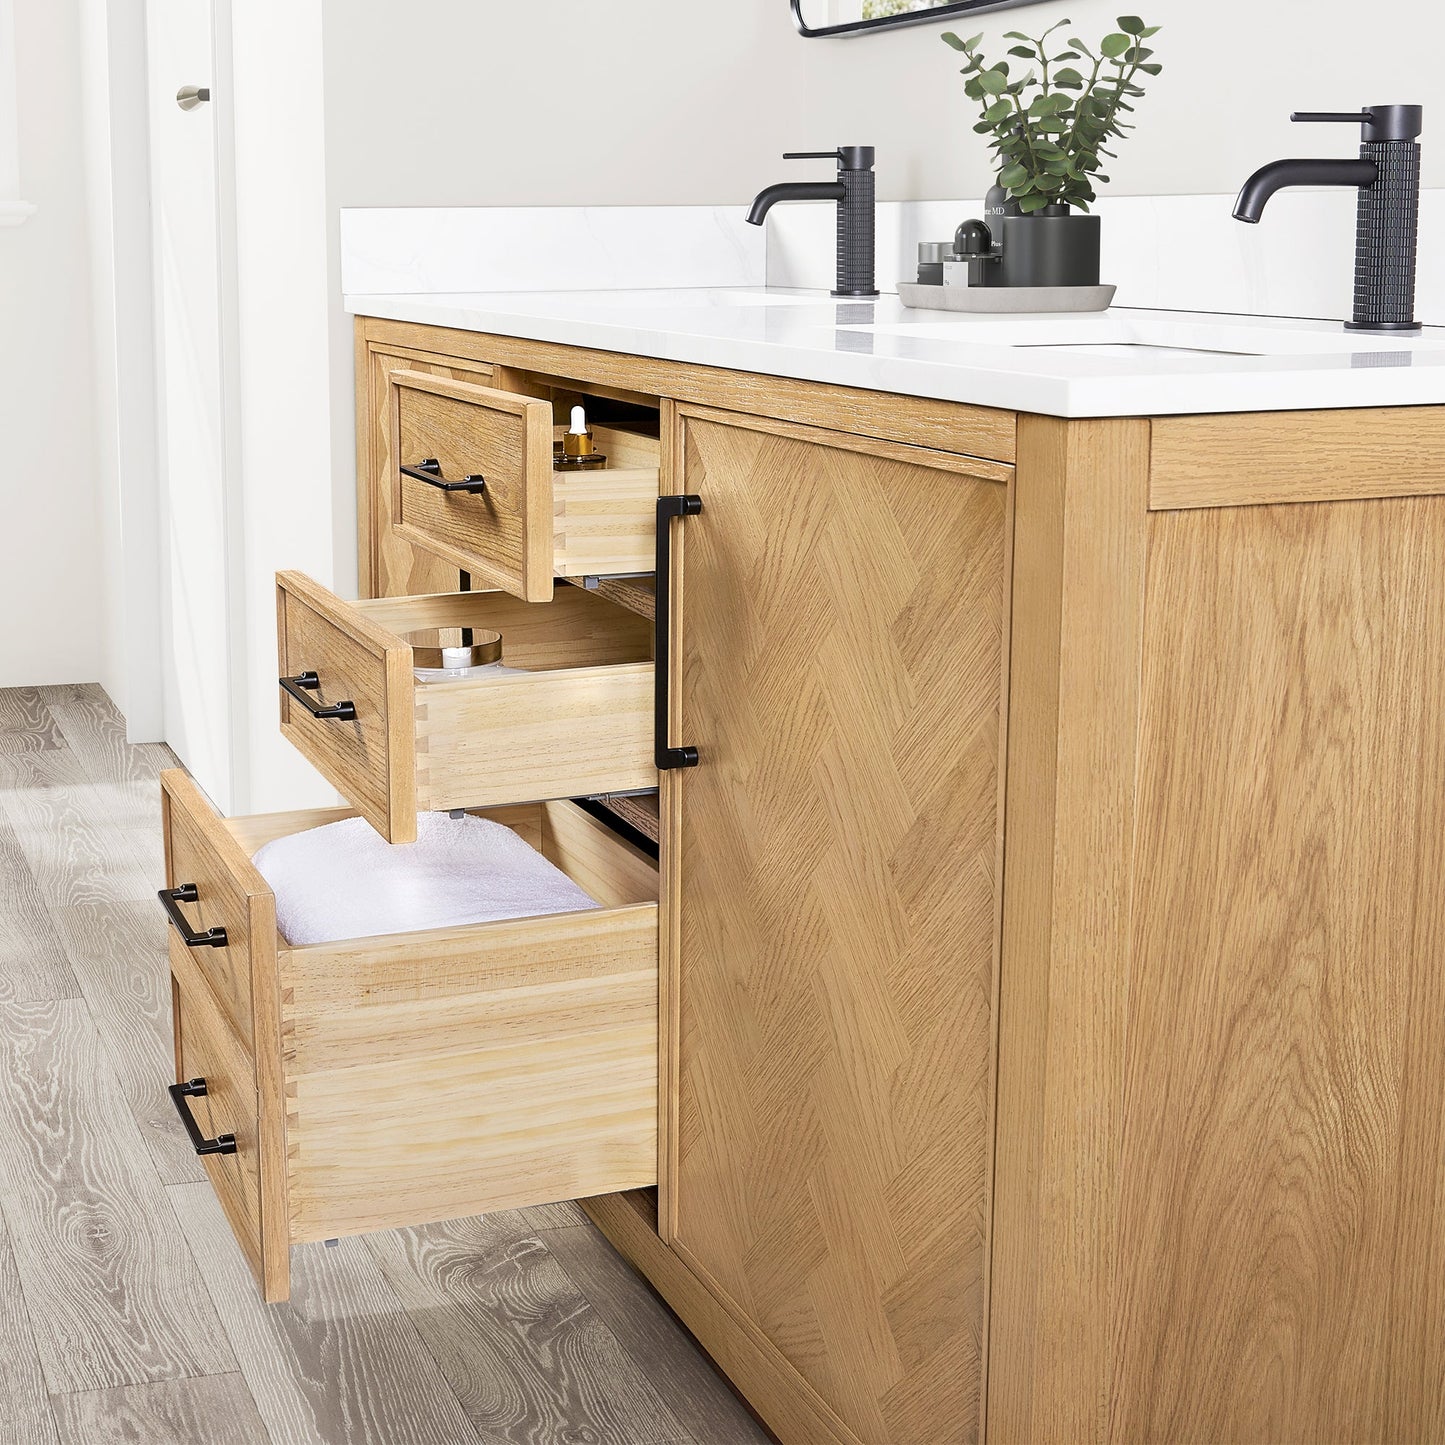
x,y
1117,363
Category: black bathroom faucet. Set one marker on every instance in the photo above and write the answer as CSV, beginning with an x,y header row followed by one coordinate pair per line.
x,y
854,193
1387,226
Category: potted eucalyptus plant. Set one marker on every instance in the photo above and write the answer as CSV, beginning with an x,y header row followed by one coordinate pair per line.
x,y
1050,128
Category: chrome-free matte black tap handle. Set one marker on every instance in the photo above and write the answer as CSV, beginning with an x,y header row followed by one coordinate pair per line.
x,y
849,158
1381,123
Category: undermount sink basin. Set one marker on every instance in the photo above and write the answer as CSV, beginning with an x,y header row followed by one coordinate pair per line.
x,y
1126,334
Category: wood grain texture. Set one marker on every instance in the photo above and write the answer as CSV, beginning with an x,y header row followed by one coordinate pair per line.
x,y
1282,1195
1079,554
522,1347
641,811
33,962
654,1341
218,1410
233,998
371,760
576,720
561,734
543,1053
502,536
25,1417
26,723
206,1048
841,658
1297,456
113,1295
73,853
390,565
119,954
945,426
782,1397
230,894
339,1363
636,594
95,733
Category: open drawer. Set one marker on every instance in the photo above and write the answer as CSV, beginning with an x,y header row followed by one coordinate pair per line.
x,y
578,721
414,1077
474,484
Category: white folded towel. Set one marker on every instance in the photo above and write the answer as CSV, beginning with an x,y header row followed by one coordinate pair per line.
x,y
344,880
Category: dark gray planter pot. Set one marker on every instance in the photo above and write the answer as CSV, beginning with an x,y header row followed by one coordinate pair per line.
x,y
1042,250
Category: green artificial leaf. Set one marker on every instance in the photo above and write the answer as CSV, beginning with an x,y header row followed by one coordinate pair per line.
x,y
1068,77
949,38
1027,52
1153,68
1113,46
1132,23
1012,176
1150,30
983,128
973,88
999,110
993,81
1079,45
1137,52
1029,204
1017,35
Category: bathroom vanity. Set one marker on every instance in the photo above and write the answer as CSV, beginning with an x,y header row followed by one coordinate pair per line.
x,y
1032,1026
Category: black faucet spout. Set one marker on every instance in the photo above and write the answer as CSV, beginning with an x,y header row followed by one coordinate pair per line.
x,y
853,190
1278,175
769,196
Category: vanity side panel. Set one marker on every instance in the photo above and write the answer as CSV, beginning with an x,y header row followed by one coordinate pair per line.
x,y
1282,1196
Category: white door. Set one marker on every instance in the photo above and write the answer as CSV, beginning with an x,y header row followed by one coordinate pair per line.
x,y
190,252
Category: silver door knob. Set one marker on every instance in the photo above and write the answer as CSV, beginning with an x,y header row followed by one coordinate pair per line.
x,y
188,97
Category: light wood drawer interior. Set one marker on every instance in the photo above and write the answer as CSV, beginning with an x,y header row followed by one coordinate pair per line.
x,y
520,523
427,1076
577,722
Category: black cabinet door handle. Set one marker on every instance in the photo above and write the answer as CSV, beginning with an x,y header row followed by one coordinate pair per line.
x,y
308,682
430,472
196,1089
171,900
687,505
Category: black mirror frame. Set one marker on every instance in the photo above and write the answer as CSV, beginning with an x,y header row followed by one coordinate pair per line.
x,y
891,22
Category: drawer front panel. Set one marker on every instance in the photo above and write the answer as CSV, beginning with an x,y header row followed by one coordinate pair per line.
x,y
575,719
502,535
370,758
229,895
206,1049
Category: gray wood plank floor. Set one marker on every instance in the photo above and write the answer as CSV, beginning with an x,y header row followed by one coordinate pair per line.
x,y
126,1310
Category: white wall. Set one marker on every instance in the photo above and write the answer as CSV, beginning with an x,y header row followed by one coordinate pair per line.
x,y
283,382
117,174
450,102
50,557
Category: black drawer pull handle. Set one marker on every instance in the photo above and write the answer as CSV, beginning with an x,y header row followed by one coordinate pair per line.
x,y
687,505
171,900
196,1089
430,472
305,682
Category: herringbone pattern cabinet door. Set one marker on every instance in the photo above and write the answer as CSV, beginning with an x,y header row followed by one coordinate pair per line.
x,y
840,654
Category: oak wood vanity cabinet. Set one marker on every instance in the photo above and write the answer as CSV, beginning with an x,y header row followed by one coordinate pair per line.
x,y
1049,1000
